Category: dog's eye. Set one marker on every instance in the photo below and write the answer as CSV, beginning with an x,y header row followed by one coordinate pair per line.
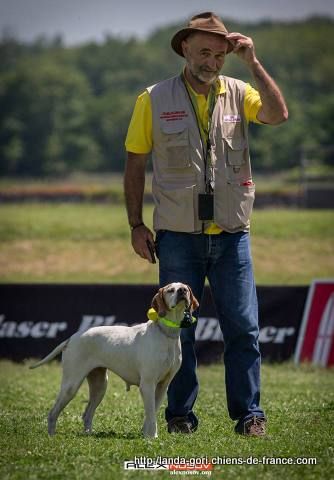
x,y
171,290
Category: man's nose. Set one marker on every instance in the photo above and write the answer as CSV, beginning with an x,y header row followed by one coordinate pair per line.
x,y
211,64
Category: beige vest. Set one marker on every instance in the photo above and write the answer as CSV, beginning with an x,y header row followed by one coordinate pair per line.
x,y
178,159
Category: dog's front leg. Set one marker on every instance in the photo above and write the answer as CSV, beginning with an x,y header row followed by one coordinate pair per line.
x,y
147,390
160,392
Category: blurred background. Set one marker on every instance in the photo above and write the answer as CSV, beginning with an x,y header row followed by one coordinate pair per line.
x,y
70,72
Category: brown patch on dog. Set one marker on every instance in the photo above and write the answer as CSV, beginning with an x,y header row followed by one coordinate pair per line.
x,y
193,300
158,303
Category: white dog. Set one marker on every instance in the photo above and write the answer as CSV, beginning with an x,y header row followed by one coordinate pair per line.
x,y
147,355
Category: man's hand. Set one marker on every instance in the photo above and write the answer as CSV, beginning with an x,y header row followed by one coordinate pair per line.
x,y
273,110
242,46
139,238
134,182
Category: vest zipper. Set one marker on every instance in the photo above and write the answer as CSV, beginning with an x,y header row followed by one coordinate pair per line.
x,y
200,136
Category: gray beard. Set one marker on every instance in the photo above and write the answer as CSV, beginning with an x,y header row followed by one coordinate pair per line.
x,y
203,82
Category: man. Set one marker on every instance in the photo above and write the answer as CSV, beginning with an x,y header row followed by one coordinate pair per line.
x,y
196,126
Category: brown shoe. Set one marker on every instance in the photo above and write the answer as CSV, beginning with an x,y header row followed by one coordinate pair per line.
x,y
255,427
180,425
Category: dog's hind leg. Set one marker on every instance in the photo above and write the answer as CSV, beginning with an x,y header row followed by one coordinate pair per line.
x,y
66,394
147,391
97,381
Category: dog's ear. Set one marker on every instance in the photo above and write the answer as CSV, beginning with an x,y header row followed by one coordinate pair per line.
x,y
193,300
158,303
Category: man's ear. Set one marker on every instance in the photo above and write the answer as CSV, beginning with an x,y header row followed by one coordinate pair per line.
x,y
158,303
185,48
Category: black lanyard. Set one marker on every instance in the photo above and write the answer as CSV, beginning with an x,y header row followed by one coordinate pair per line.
x,y
209,183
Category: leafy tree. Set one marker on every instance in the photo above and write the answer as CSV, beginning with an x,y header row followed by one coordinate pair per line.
x,y
43,118
68,108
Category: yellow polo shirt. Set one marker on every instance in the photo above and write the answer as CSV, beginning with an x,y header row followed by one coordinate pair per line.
x,y
139,138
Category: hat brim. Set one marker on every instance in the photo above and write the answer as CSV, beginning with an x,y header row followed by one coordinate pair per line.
x,y
181,35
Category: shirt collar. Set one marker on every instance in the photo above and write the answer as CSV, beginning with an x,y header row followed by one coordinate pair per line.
x,y
220,86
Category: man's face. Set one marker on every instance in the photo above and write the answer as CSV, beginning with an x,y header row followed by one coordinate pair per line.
x,y
205,55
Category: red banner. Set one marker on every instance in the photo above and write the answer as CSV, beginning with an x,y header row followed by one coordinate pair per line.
x,y
315,341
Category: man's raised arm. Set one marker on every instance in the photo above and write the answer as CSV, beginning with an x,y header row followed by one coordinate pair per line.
x,y
274,109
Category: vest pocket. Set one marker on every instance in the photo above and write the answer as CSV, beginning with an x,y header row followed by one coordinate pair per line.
x,y
176,145
240,201
236,155
175,209
236,150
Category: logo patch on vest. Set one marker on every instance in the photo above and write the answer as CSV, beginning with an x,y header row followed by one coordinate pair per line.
x,y
172,116
232,118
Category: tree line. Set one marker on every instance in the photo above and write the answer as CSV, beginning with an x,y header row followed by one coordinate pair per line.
x,y
64,109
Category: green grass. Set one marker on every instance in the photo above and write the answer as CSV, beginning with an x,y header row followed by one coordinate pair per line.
x,y
283,181
299,403
91,243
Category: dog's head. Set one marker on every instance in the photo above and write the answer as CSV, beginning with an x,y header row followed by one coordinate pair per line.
x,y
171,295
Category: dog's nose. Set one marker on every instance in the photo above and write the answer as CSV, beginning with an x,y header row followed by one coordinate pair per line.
x,y
181,292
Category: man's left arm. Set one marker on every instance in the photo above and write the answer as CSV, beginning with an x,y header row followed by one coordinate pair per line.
x,y
273,110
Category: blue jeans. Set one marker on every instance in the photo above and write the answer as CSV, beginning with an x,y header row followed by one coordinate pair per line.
x,y
225,259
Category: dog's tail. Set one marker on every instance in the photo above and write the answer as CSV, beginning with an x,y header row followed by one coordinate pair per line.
x,y
51,355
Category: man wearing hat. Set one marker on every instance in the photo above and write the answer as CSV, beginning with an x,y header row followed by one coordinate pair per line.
x,y
196,127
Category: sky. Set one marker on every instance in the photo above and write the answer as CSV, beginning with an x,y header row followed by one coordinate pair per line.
x,y
79,21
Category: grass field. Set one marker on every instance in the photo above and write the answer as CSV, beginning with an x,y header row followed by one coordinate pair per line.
x,y
91,243
299,402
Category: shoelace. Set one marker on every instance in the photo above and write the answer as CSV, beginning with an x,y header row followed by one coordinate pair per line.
x,y
256,426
